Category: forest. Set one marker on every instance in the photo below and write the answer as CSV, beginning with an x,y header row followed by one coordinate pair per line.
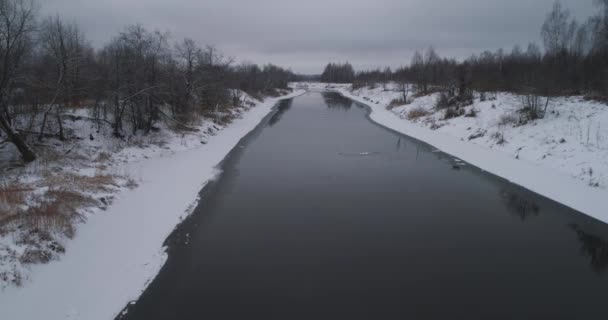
x,y
574,62
138,79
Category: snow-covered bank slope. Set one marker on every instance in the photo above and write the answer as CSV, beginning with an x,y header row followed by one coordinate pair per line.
x,y
118,251
563,157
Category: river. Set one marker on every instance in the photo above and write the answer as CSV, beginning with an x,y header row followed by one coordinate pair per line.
x,y
321,214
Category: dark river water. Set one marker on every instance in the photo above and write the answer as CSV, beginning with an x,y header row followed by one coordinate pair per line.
x,y
321,214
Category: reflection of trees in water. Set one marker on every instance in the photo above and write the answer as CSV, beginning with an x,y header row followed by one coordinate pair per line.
x,y
283,106
594,247
520,205
336,101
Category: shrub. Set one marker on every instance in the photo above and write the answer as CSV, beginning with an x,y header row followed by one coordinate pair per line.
x,y
396,103
533,107
465,99
449,100
358,85
443,101
499,137
596,97
480,133
417,112
508,119
453,112
472,113
434,125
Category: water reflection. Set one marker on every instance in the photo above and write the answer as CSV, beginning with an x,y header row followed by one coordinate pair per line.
x,y
283,107
594,247
519,204
336,101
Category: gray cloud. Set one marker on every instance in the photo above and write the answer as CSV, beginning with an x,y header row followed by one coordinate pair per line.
x,y
306,34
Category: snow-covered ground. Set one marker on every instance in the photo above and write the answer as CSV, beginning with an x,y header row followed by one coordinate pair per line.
x,y
563,156
114,255
118,251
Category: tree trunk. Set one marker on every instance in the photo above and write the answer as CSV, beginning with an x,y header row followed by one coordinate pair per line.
x,y
27,153
60,123
43,126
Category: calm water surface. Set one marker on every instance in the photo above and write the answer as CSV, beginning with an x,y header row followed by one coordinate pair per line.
x,y
321,214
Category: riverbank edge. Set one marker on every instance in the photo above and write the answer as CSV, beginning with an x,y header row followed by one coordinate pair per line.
x,y
118,252
541,180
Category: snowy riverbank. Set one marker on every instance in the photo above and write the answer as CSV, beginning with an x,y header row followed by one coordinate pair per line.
x,y
563,157
118,251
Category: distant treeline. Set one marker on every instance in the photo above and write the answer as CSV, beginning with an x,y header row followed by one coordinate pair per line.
x,y
338,73
575,61
136,80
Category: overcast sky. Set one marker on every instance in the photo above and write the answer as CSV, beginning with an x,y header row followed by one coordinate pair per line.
x,y
306,34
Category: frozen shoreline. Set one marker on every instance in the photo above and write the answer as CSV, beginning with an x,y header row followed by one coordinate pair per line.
x,y
119,251
543,180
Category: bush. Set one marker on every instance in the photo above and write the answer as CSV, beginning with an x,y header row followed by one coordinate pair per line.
x,y
508,119
478,134
472,113
358,85
448,100
533,107
453,112
596,97
499,137
465,99
443,101
417,112
396,103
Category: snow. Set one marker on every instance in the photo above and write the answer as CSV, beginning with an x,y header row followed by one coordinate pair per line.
x,y
117,252
563,157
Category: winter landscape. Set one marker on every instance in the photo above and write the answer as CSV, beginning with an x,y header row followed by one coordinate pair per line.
x,y
341,165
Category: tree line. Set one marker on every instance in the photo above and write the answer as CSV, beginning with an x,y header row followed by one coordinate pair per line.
x,y
338,73
574,62
136,80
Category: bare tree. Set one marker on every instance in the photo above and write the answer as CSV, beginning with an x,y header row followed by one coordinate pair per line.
x,y
63,43
557,30
17,23
417,68
188,54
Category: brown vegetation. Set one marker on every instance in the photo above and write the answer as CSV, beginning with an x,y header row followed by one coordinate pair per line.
x,y
417,112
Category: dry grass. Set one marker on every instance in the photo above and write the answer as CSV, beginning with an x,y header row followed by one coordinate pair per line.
x,y
96,183
57,212
12,196
57,205
417,113
42,215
